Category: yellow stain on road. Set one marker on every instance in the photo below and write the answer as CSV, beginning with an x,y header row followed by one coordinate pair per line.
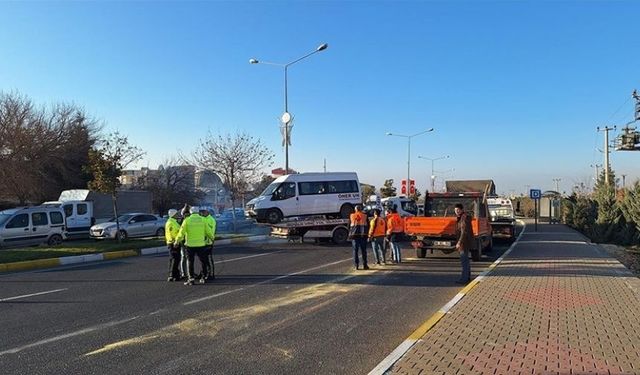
x,y
208,324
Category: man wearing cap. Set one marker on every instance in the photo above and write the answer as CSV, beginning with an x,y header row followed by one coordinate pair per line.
x,y
171,229
194,232
211,222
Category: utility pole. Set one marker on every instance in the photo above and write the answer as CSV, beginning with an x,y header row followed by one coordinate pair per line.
x,y
606,130
325,165
556,180
623,180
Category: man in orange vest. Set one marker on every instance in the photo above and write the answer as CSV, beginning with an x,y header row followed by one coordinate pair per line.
x,y
377,230
395,228
358,236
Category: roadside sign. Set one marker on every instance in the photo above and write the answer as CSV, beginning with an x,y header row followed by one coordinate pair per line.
x,y
535,193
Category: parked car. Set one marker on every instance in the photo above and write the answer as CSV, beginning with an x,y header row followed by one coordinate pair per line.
x,y
224,221
31,226
131,225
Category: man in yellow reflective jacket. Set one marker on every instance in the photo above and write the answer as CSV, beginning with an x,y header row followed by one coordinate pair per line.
x,y
171,229
211,222
194,232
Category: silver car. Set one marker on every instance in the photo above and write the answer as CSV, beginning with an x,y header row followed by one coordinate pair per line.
x,y
131,225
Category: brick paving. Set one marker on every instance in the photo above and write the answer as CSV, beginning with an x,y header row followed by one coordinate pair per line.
x,y
556,304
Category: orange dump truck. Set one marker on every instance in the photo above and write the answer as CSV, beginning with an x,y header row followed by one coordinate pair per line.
x,y
436,230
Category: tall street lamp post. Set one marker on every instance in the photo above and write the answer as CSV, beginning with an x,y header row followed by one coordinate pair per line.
x,y
433,176
408,137
286,116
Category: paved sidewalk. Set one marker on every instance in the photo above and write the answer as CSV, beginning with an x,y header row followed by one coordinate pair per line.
x,y
557,304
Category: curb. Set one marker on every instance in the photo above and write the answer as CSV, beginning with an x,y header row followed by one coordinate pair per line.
x,y
404,347
77,259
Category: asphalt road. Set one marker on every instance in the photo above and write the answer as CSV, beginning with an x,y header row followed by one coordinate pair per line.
x,y
274,308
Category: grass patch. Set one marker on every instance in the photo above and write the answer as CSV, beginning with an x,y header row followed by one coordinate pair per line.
x,y
80,247
83,247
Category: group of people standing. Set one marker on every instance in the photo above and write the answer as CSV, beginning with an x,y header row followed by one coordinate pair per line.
x,y
189,235
382,232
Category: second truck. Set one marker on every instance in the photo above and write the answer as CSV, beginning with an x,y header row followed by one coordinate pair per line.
x,y
436,230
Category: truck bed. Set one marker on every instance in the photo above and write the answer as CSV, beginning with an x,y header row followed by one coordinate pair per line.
x,y
441,226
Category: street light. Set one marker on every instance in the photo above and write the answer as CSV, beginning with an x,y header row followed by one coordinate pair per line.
x,y
557,180
409,151
433,177
286,116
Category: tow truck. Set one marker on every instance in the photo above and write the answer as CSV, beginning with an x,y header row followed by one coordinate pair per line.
x,y
317,228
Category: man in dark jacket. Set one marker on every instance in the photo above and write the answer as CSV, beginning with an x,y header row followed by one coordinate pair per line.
x,y
465,243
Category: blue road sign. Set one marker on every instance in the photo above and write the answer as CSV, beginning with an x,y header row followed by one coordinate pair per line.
x,y
535,193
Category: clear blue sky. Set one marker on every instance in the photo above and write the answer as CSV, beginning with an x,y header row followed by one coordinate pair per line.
x,y
514,90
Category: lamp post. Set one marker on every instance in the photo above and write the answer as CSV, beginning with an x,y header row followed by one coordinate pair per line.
x,y
433,177
408,137
556,180
286,116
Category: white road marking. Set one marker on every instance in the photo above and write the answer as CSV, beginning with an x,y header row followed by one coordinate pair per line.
x,y
247,257
32,295
65,336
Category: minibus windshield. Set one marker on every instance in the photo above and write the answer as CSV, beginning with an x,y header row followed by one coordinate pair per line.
x,y
271,188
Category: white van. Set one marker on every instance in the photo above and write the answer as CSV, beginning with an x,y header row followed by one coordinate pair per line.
x,y
31,226
405,206
78,216
333,194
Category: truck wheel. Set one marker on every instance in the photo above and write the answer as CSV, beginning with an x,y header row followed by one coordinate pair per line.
x,y
346,210
54,240
274,216
160,232
489,245
340,235
421,252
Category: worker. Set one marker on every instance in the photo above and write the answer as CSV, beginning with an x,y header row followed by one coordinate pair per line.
x,y
464,235
211,222
171,229
194,232
377,231
358,236
184,213
395,228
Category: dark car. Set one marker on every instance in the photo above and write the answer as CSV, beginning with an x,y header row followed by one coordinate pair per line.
x,y
224,221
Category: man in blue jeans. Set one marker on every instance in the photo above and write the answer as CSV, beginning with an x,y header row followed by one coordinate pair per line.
x,y
464,233
358,234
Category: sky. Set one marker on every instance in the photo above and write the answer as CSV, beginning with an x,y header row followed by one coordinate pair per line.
x,y
514,90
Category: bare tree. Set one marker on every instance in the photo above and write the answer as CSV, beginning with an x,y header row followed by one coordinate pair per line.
x,y
42,151
106,163
172,185
238,159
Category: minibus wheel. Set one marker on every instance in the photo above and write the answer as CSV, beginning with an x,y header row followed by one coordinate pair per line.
x,y
274,216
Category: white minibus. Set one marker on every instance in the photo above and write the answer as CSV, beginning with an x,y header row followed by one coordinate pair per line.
x,y
333,194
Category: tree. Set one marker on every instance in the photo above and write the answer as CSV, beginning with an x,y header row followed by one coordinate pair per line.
x,y
171,185
238,159
106,163
367,191
42,151
259,186
387,189
630,206
609,213
416,195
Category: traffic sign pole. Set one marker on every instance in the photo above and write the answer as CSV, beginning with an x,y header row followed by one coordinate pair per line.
x,y
535,194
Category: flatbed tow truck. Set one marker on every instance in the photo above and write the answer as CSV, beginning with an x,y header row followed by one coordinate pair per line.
x,y
317,228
